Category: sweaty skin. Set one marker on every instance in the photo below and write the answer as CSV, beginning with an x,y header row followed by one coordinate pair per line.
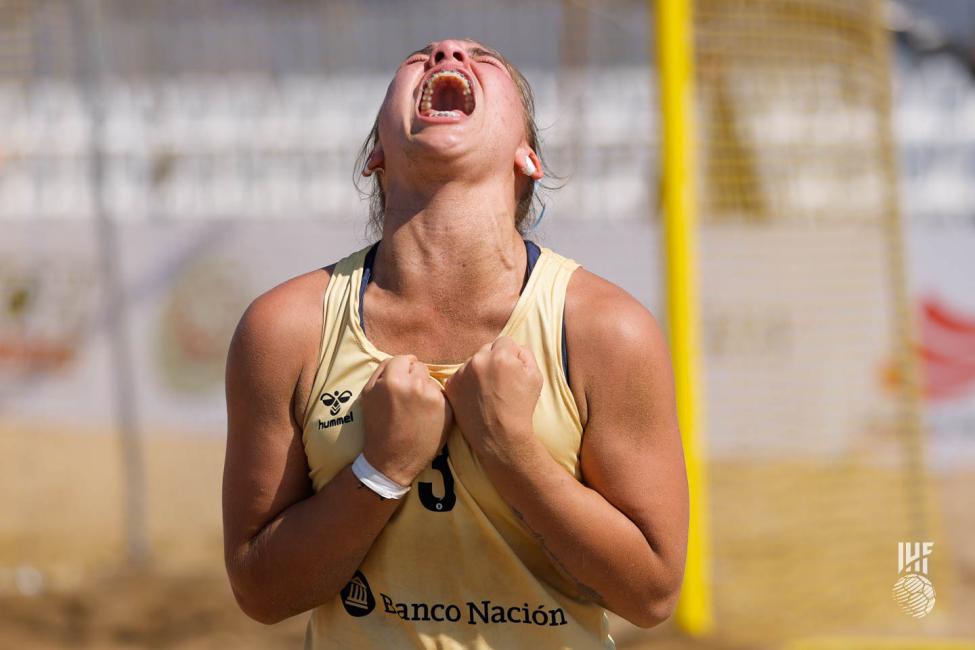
x,y
451,190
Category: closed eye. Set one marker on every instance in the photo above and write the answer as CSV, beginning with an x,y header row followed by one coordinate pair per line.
x,y
419,55
485,56
489,59
481,52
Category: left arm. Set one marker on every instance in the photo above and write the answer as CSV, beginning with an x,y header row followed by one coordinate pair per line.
x,y
621,535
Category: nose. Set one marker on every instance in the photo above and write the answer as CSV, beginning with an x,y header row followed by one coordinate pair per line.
x,y
449,49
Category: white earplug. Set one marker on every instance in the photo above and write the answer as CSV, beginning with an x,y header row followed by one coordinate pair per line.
x,y
529,167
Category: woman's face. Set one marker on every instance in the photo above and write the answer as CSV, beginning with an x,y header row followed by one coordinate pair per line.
x,y
452,101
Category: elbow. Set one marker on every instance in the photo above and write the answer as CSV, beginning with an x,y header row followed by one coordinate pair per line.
x,y
256,607
655,605
658,602
254,599
263,616
655,610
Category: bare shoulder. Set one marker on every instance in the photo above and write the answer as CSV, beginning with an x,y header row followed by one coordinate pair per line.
x,y
277,337
283,317
610,336
599,308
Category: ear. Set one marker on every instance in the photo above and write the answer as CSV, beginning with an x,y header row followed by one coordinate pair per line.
x,y
375,161
525,159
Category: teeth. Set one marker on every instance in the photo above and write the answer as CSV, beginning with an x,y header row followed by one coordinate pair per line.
x,y
426,97
428,87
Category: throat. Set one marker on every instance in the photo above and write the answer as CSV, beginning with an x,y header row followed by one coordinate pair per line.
x,y
445,321
457,298
437,333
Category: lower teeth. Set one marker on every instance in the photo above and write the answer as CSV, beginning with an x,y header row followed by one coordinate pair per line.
x,y
445,114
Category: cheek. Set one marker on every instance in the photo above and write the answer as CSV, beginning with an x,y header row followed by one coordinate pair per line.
x,y
512,113
398,94
391,111
512,122
401,90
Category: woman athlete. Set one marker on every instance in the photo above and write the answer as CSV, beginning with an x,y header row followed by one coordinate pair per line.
x,y
453,438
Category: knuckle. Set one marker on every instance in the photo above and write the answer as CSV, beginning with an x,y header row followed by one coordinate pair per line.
x,y
397,381
419,385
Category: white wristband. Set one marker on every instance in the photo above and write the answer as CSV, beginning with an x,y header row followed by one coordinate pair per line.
x,y
376,481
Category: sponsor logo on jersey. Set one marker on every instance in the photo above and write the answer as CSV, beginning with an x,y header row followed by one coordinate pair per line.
x,y
358,601
483,612
357,598
324,424
335,400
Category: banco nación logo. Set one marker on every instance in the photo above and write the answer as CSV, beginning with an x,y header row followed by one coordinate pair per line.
x,y
913,590
357,597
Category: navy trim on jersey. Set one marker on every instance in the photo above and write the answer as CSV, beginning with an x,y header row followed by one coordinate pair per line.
x,y
533,254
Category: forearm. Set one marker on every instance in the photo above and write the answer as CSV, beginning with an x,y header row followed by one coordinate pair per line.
x,y
307,554
601,550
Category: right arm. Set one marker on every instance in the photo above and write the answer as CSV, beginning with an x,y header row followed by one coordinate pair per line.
x,y
288,549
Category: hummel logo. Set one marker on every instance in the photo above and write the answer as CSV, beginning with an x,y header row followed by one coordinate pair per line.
x,y
335,400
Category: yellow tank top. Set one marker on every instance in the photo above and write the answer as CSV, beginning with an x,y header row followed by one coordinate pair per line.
x,y
454,567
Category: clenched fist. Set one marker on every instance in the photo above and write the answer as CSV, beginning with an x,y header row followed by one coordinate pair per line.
x,y
493,397
406,418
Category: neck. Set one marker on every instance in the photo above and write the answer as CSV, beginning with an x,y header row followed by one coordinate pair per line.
x,y
454,244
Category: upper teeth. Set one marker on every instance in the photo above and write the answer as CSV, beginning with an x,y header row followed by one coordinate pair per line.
x,y
426,100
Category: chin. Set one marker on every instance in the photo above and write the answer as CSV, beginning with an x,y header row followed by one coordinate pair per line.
x,y
444,146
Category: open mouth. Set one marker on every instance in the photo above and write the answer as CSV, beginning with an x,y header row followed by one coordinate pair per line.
x,y
447,93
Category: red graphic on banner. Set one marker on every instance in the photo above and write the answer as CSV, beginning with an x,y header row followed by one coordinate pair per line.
x,y
946,352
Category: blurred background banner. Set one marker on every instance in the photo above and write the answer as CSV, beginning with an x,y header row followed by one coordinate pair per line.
x,y
162,163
